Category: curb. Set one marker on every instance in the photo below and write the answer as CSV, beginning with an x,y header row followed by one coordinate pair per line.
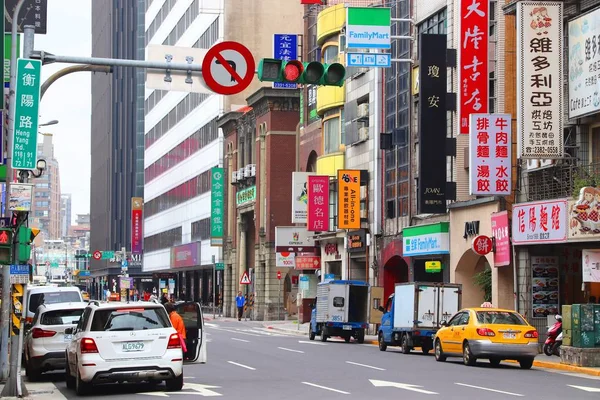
x,y
294,332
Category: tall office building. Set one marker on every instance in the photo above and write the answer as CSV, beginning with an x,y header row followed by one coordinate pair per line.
x,y
117,132
46,207
183,141
65,213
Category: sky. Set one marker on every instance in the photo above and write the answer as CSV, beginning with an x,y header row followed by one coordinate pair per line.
x,y
68,100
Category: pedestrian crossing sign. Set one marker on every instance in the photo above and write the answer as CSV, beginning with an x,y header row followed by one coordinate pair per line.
x,y
245,280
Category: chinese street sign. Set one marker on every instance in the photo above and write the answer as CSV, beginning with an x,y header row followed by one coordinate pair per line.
x,y
27,105
501,239
245,196
216,206
308,262
33,12
490,154
137,238
473,66
348,199
318,204
107,255
368,28
219,266
482,245
539,222
539,80
285,47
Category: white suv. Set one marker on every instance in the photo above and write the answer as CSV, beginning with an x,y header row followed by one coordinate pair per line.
x,y
46,340
124,342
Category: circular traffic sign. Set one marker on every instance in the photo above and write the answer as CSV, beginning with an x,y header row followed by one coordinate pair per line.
x,y
97,255
228,68
482,245
279,275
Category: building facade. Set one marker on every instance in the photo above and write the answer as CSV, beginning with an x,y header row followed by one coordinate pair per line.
x,y
116,132
65,213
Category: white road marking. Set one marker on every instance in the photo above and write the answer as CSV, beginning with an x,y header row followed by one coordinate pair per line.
x,y
211,325
587,389
365,365
242,365
317,343
240,332
292,350
405,386
325,387
490,390
240,340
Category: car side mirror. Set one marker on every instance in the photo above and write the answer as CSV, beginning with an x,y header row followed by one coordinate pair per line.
x,y
443,323
69,331
380,308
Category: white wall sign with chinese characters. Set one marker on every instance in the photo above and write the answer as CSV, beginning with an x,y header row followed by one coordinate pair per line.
x,y
539,80
540,222
590,265
473,60
490,154
584,64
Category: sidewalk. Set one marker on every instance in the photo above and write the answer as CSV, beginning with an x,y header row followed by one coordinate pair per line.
x,y
39,391
541,361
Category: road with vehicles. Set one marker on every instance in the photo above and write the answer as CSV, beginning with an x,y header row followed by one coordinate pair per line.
x,y
247,360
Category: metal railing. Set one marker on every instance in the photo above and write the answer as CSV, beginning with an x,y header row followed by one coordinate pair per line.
x,y
559,181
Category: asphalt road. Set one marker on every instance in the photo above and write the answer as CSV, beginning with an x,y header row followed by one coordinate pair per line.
x,y
247,361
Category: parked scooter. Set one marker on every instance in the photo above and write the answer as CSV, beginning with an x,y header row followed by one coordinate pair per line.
x,y
557,344
553,333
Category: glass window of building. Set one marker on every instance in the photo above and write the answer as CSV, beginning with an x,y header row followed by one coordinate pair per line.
x,y
330,53
331,135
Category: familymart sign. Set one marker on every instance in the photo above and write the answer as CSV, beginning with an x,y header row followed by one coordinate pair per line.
x,y
368,28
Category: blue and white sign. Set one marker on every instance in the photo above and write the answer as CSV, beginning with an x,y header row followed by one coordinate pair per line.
x,y
124,264
84,273
285,47
19,269
369,60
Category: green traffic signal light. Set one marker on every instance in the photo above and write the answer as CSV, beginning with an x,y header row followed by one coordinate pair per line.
x,y
313,71
334,75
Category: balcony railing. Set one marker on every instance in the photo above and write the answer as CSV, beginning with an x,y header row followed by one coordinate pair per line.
x,y
559,181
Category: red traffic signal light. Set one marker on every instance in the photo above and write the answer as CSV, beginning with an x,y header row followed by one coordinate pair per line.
x,y
5,237
292,70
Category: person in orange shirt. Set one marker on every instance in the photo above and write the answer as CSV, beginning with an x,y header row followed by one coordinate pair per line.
x,y
176,320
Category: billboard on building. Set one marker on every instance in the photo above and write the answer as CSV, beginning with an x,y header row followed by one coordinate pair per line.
x,y
348,213
185,255
137,235
501,238
431,191
318,203
473,70
584,215
539,80
540,222
490,154
217,197
299,196
584,57
293,239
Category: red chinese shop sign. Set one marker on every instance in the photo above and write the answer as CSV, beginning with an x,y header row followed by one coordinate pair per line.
x,y
308,262
473,60
317,209
539,222
137,204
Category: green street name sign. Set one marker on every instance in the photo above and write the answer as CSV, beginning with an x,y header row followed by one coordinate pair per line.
x,y
27,106
219,266
108,254
216,206
245,196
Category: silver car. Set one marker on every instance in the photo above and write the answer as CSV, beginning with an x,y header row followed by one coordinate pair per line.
x,y
46,340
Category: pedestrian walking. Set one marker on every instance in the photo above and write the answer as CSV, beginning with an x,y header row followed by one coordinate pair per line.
x,y
163,299
240,301
177,323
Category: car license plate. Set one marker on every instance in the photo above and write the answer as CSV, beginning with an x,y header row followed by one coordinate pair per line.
x,y
133,346
347,327
509,335
67,338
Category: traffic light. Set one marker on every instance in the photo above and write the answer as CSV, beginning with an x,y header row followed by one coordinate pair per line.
x,y
294,71
6,236
25,238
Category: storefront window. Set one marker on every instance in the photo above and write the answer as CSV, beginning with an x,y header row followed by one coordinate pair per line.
x,y
331,135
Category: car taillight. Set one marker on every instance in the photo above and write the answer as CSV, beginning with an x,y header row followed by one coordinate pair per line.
x,y
174,342
485,332
37,333
88,345
531,335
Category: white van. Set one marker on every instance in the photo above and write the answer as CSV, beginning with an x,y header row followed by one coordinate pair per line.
x,y
38,295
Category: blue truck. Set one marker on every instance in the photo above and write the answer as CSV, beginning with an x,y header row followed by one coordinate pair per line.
x,y
414,313
341,310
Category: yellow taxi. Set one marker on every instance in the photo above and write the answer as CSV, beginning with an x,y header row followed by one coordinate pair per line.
x,y
85,295
490,333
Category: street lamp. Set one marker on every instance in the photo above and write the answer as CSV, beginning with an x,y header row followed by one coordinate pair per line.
x,y
53,122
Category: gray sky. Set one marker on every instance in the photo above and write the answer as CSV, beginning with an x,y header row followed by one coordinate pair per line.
x,y
69,99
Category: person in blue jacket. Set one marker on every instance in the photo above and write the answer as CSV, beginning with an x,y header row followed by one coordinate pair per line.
x,y
239,302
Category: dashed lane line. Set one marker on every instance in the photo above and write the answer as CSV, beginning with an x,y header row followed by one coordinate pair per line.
x,y
292,350
325,388
242,365
365,365
489,390
240,340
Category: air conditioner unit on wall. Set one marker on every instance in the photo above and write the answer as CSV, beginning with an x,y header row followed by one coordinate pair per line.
x,y
363,110
363,134
234,176
240,174
252,169
247,171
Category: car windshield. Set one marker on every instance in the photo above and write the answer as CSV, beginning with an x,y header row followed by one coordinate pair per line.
x,y
130,319
500,318
61,317
37,299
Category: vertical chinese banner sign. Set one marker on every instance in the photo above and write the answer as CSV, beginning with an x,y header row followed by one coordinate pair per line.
x,y
137,206
216,207
473,68
285,47
431,191
490,155
348,199
539,80
501,238
318,204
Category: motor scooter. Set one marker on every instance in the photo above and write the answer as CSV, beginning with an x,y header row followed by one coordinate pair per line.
x,y
553,333
557,344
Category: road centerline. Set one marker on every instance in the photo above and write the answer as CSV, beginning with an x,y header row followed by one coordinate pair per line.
x,y
242,365
292,350
325,388
365,365
489,390
240,340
